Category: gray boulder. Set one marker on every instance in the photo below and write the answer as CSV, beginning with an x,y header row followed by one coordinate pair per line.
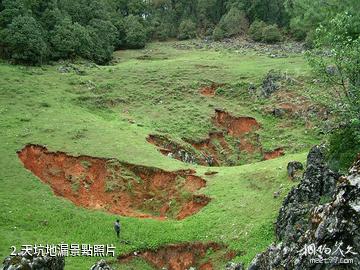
x,y
234,266
101,265
270,83
306,220
26,262
278,112
293,167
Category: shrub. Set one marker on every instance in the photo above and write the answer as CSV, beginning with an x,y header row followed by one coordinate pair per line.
x,y
103,38
135,34
232,23
271,34
163,31
341,38
65,40
256,30
24,41
344,146
297,29
119,23
218,33
309,40
259,31
187,30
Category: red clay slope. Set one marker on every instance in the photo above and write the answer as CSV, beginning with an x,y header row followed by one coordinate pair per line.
x,y
117,187
180,256
235,126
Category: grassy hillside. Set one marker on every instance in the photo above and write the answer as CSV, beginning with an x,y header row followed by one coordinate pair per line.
x,y
108,111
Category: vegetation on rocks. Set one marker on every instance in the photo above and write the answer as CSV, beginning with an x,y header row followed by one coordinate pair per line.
x,y
335,58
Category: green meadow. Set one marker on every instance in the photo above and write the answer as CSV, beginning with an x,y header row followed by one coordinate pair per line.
x,y
108,111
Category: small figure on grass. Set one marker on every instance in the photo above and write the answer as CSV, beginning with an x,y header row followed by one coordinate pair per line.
x,y
117,228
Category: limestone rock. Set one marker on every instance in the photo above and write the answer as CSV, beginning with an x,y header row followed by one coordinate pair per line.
x,y
305,220
24,262
234,266
101,265
293,167
270,84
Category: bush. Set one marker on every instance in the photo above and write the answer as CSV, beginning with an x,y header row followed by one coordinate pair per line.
x,y
135,34
162,32
309,40
218,33
119,23
256,30
344,146
24,41
232,23
297,29
65,40
103,36
259,31
271,34
187,30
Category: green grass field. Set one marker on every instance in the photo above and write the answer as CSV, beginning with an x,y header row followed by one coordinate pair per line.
x,y
108,111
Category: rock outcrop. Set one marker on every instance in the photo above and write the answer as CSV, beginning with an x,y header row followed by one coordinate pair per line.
x,y
24,261
270,84
318,224
234,266
293,167
101,265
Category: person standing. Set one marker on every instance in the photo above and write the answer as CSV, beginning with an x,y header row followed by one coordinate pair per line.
x,y
117,227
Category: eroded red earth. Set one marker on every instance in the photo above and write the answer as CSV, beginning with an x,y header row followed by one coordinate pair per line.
x,y
274,154
117,187
236,140
235,126
210,90
181,256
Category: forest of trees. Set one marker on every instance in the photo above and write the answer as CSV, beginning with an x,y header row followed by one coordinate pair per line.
x,y
37,31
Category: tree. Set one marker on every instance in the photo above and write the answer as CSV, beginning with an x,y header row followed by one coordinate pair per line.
x,y
307,15
65,40
10,10
103,36
187,30
259,31
256,30
69,40
24,41
340,66
233,23
218,33
135,34
336,59
271,34
269,11
51,17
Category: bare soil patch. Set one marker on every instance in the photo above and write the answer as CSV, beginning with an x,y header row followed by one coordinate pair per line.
x,y
236,142
181,256
117,187
210,90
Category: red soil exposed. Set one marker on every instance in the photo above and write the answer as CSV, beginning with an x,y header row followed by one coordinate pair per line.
x,y
251,144
194,206
210,90
177,151
237,139
117,187
235,126
220,147
209,148
274,154
178,256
